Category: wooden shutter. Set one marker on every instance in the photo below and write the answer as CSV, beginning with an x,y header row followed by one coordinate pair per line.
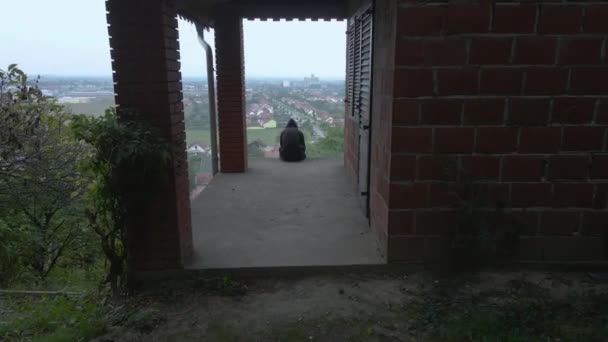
x,y
364,92
350,71
356,64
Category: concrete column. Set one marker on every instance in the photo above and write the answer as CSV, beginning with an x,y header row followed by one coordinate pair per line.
x,y
147,81
231,92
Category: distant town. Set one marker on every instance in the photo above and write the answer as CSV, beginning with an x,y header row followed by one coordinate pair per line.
x,y
316,105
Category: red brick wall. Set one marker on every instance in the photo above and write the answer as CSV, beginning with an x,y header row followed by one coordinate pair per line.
x,y
230,92
515,95
147,80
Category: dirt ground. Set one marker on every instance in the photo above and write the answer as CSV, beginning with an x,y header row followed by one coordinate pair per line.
x,y
343,307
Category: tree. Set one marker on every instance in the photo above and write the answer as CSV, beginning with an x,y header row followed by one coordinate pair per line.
x,y
40,185
128,156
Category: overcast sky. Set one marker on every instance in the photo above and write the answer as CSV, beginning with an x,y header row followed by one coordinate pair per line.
x,y
69,37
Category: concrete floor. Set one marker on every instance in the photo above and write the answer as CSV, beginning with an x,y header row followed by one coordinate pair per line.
x,y
281,214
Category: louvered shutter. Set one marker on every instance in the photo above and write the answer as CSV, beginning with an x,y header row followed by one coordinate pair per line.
x,y
350,71
364,92
356,65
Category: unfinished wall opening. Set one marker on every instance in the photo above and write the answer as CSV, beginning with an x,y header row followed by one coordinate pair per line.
x,y
197,111
295,70
260,211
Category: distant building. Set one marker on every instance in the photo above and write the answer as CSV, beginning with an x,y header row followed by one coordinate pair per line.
x,y
203,178
196,148
270,124
311,81
286,84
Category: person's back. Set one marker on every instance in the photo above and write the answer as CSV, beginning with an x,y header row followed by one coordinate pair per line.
x,y
293,147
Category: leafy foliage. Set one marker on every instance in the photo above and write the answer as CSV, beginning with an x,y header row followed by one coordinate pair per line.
x,y
40,184
330,146
56,319
128,156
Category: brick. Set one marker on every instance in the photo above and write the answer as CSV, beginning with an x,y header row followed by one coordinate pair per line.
x,y
435,168
526,195
460,81
535,50
481,167
559,222
441,112
580,50
573,195
568,167
599,167
560,19
454,140
445,51
595,223
436,222
438,249
412,140
522,168
514,19
527,221
500,81
529,248
409,52
400,222
408,196
566,248
488,51
406,111
484,111
403,168
583,138
573,110
528,111
600,200
496,139
441,195
540,139
602,113
545,81
413,82
420,20
432,51
492,195
596,19
468,19
405,248
586,80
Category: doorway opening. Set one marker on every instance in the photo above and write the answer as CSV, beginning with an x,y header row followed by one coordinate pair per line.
x,y
295,70
292,214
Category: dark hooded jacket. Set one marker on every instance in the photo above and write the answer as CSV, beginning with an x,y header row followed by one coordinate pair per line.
x,y
293,147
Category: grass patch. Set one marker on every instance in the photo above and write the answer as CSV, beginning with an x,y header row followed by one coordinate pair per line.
x,y
520,315
55,318
269,136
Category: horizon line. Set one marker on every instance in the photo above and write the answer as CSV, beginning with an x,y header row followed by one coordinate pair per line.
x,y
188,76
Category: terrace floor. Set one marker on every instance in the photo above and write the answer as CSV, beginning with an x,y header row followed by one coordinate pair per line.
x,y
281,214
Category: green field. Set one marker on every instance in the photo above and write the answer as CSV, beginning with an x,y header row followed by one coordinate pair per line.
x,y
95,107
202,136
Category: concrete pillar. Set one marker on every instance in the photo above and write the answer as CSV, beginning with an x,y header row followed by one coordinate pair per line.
x,y
230,69
147,81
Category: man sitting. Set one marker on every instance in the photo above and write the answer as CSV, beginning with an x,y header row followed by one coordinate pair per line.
x,y
292,147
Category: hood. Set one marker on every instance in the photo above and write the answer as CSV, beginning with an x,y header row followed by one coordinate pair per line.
x,y
291,123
